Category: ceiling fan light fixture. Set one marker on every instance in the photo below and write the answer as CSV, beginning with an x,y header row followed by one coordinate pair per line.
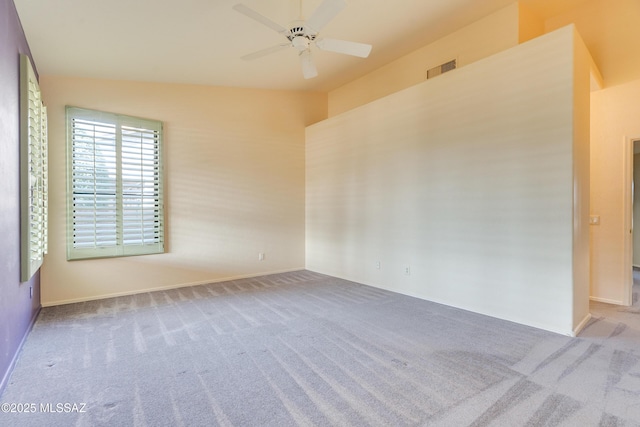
x,y
300,43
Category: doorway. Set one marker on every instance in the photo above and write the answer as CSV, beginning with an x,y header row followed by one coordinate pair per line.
x,y
632,216
635,218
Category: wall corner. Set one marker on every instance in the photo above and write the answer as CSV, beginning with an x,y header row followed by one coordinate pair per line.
x,y
581,180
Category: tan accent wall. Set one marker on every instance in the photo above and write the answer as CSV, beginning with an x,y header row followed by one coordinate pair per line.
x,y
530,25
608,27
492,34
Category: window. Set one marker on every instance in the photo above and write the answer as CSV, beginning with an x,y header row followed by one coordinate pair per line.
x,y
33,172
115,205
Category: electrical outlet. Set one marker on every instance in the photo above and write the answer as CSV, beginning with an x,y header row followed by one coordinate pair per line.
x,y
378,265
261,256
407,271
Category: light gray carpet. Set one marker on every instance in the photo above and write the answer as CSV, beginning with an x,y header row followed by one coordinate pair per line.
x,y
307,349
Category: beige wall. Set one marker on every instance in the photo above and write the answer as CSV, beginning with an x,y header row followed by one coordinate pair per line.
x,y
467,181
615,119
483,38
234,184
609,28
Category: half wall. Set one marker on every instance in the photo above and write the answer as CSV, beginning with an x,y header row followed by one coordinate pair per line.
x,y
470,189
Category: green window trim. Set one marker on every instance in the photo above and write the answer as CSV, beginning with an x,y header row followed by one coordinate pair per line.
x,y
115,201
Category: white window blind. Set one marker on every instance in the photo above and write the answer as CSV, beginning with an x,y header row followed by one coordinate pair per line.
x,y
115,185
33,172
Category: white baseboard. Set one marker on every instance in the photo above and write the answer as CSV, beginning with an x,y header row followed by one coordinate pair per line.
x,y
581,325
168,287
605,300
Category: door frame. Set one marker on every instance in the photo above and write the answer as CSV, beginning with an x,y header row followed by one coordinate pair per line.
x,y
627,207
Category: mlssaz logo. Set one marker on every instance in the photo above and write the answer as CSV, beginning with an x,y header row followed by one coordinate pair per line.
x,y
63,407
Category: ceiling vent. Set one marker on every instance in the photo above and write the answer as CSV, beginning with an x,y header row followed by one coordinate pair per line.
x,y
440,69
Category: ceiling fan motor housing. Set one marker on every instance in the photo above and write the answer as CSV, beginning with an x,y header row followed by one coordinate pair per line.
x,y
299,36
299,30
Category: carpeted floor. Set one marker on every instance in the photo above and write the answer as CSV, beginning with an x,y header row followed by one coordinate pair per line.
x,y
307,349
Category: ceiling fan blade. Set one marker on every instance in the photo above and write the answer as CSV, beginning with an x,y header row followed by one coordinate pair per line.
x,y
265,52
258,17
325,13
308,67
342,46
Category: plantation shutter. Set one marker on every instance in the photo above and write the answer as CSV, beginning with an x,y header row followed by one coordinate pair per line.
x,y
33,170
140,186
94,169
115,185
44,155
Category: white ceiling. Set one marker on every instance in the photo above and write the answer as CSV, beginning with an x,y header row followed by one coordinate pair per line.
x,y
201,41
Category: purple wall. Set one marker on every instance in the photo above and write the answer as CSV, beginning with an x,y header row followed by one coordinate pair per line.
x,y
17,309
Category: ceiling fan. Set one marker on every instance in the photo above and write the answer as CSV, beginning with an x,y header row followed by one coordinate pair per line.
x,y
302,34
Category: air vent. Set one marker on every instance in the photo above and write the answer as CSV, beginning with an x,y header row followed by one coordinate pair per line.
x,y
443,68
